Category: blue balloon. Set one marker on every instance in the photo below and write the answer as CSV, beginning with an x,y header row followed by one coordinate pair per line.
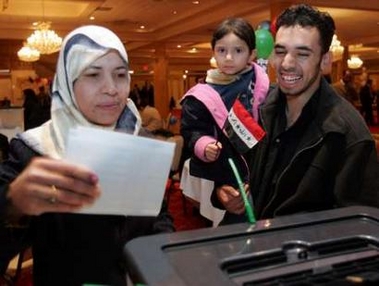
x,y
172,120
264,25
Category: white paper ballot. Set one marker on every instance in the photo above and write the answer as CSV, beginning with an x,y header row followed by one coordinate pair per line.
x,y
132,170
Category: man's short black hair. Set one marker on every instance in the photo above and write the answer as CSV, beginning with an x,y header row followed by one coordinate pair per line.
x,y
306,15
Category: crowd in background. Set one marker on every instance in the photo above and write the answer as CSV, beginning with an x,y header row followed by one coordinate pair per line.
x,y
363,95
36,107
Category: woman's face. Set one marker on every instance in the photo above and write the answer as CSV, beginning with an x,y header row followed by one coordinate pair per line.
x,y
102,89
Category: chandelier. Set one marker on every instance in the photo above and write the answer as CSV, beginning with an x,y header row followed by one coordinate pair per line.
x,y
44,40
27,54
354,62
213,62
336,48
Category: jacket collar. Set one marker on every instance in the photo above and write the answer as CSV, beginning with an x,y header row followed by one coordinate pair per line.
x,y
323,109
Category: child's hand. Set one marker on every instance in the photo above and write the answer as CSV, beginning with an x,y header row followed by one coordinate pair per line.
x,y
212,151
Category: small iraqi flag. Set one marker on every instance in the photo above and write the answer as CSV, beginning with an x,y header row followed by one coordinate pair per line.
x,y
242,129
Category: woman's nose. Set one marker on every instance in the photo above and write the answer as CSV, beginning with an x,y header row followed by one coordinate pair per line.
x,y
109,86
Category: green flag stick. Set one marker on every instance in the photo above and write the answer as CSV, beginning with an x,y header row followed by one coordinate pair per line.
x,y
248,207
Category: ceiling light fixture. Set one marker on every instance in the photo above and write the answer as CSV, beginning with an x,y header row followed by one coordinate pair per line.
x,y
336,49
354,62
213,62
26,54
44,40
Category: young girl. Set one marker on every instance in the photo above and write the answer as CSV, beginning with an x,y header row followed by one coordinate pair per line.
x,y
209,109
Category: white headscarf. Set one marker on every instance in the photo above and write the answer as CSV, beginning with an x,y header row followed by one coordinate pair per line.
x,y
80,48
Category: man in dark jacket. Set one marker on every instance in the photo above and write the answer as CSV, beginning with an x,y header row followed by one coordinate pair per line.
x,y
345,88
318,152
366,97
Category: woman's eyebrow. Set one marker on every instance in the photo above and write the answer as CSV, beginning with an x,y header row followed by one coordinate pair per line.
x,y
100,67
93,67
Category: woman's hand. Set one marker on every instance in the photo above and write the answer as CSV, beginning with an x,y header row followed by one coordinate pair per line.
x,y
212,151
231,199
49,185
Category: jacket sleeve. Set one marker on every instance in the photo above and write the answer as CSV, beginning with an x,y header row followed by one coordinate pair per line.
x,y
358,180
13,234
196,122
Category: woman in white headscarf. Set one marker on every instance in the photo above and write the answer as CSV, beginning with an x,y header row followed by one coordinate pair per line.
x,y
41,192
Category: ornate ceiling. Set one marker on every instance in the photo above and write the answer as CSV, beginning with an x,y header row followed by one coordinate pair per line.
x,y
169,24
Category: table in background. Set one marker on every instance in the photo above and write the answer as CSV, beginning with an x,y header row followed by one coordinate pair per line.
x,y
10,132
11,121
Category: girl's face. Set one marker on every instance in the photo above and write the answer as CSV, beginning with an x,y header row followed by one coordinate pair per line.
x,y
232,54
102,89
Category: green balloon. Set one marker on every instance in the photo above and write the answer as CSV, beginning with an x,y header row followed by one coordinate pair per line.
x,y
264,43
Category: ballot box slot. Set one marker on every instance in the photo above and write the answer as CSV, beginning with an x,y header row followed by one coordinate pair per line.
x,y
304,259
355,272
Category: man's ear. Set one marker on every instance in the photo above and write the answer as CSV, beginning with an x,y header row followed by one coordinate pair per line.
x,y
326,63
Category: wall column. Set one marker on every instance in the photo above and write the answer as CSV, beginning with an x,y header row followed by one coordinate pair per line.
x,y
161,75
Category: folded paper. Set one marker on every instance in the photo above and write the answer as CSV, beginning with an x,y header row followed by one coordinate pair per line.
x,y
132,170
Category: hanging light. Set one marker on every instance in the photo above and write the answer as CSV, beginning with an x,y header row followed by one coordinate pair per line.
x,y
26,54
44,40
336,48
213,62
354,62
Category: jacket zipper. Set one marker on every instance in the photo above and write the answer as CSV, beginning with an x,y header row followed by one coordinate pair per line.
x,y
288,166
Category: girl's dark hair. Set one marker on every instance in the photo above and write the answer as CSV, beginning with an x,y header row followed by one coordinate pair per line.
x,y
238,26
305,15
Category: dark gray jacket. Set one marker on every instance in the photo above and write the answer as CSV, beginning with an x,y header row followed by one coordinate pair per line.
x,y
335,163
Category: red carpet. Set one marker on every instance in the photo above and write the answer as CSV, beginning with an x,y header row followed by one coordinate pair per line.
x,y
184,212
374,129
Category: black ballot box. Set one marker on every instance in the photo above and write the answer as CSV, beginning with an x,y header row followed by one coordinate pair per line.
x,y
334,247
